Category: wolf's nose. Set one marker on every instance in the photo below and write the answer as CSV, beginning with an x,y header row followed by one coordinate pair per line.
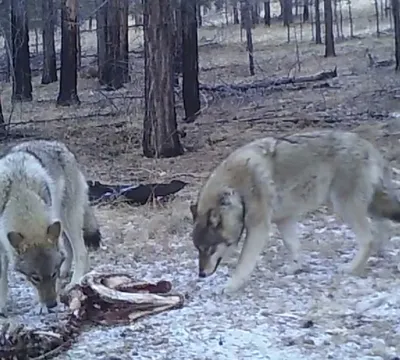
x,y
51,304
202,274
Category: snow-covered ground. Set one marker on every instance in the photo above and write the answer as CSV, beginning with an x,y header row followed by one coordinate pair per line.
x,y
317,314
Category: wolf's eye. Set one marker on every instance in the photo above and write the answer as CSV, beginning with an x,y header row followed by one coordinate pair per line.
x,y
35,278
54,275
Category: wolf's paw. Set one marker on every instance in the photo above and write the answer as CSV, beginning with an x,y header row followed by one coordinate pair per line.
x,y
40,309
351,270
232,286
292,269
3,313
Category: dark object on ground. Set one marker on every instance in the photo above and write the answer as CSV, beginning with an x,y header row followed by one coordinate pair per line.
x,y
106,299
140,194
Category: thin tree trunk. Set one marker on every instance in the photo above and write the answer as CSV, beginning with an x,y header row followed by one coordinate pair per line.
x,y
199,17
2,122
318,38
68,94
113,69
22,79
160,136
124,44
101,32
287,12
341,19
350,19
396,20
329,39
306,12
246,18
267,13
336,14
378,32
191,94
78,47
178,47
49,73
236,19
5,22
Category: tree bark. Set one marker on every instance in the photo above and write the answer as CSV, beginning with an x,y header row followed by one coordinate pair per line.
x,y
246,19
396,20
178,44
22,82
124,44
306,11
5,22
236,19
329,39
199,16
68,94
267,13
191,95
101,35
160,136
49,73
318,38
110,68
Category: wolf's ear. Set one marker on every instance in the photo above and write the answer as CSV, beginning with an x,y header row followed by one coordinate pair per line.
x,y
16,240
193,210
54,232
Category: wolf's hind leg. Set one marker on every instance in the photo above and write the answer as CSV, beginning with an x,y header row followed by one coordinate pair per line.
x,y
354,213
288,229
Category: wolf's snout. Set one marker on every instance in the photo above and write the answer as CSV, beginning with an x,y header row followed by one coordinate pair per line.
x,y
51,304
202,274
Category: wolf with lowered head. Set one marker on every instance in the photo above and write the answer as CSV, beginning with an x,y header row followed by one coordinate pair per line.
x,y
277,180
46,221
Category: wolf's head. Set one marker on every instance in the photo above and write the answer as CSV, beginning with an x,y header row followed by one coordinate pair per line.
x,y
40,261
218,226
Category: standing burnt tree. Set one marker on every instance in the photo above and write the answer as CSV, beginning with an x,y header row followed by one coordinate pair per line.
x,y
396,20
68,94
178,47
5,31
49,73
329,40
22,79
267,13
160,136
111,58
246,23
190,60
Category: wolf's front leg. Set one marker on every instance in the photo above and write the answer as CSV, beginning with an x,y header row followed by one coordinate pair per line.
x,y
3,284
253,245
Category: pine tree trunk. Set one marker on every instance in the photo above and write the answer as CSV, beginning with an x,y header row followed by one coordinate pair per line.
x,y
236,19
49,73
191,95
267,13
396,20
329,39
22,82
5,23
160,136
318,38
178,46
101,34
124,40
246,19
68,94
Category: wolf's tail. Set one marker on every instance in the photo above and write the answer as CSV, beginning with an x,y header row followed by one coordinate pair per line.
x,y
91,229
385,204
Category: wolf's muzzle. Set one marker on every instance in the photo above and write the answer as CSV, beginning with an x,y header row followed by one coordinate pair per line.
x,y
51,304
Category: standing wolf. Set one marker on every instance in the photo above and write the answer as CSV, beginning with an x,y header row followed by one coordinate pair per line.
x,y
43,199
278,180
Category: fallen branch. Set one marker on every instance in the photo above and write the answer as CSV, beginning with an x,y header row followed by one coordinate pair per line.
x,y
323,75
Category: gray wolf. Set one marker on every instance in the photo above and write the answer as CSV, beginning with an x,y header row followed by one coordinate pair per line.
x,y
276,180
45,218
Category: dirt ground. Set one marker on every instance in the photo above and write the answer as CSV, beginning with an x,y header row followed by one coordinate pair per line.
x,y
313,315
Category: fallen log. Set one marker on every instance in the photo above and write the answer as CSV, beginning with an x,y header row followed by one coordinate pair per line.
x,y
130,194
323,75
